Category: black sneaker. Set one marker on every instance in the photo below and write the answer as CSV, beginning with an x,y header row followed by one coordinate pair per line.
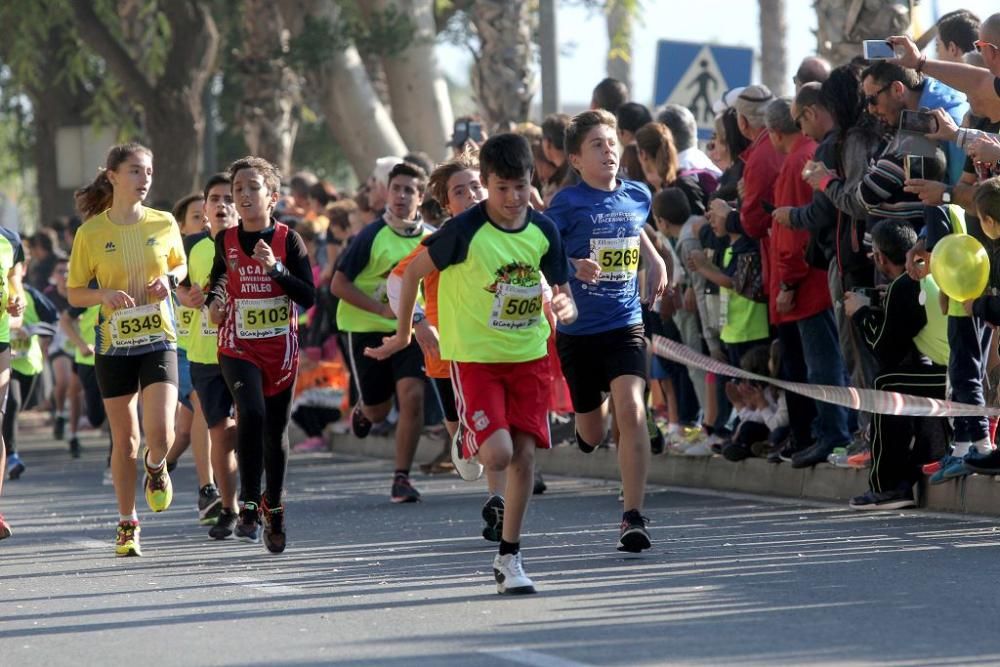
x,y
274,527
984,464
74,447
248,527
539,487
209,505
810,456
59,427
403,491
886,500
634,537
736,451
224,526
360,425
493,516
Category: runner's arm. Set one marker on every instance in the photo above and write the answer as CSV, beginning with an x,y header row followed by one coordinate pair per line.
x,y
296,279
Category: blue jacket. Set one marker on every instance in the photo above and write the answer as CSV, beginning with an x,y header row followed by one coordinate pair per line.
x,y
938,95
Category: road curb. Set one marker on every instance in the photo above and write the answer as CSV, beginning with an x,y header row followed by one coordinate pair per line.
x,y
976,494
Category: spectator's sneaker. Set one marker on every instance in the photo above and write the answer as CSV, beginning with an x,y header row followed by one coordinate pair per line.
x,y
107,479
633,537
510,577
886,500
403,491
74,447
361,426
838,457
310,445
59,427
984,464
861,459
810,456
786,452
931,468
493,516
15,466
952,467
699,448
209,505
224,526
248,526
539,484
736,451
5,530
159,489
127,540
761,449
468,469
274,527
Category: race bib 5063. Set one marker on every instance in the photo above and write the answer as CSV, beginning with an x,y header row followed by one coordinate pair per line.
x,y
516,307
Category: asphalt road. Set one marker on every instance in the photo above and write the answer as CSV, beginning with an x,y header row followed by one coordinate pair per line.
x,y
730,580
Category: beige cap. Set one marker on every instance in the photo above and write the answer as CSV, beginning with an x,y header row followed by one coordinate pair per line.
x,y
752,101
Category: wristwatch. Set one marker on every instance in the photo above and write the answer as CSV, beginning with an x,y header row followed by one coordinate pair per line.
x,y
277,270
946,196
418,318
173,281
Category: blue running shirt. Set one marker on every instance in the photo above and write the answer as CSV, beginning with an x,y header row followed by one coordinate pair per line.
x,y
605,227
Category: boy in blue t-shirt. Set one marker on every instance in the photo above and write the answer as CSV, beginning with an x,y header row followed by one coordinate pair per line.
x,y
601,222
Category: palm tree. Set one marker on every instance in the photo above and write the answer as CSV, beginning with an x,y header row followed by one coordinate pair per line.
x,y
503,70
773,62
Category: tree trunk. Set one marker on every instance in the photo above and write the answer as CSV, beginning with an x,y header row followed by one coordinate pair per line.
x,y
619,18
841,25
773,61
342,90
421,108
172,106
268,112
503,72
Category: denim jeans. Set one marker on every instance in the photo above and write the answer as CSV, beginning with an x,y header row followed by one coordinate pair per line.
x,y
825,365
969,339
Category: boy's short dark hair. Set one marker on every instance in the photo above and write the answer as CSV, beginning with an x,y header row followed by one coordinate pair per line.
x,y
582,124
756,360
507,156
987,199
884,73
809,95
411,170
180,209
961,28
894,238
221,178
632,115
609,95
671,204
270,173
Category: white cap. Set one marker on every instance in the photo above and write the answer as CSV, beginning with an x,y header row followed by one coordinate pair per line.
x,y
383,166
727,100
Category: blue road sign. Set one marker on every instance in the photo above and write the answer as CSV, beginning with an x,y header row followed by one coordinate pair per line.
x,y
695,75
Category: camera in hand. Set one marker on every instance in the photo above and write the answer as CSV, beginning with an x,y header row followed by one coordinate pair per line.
x,y
873,295
913,166
464,130
877,49
920,122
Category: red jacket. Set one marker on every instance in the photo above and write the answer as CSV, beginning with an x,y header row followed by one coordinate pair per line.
x,y
761,166
788,247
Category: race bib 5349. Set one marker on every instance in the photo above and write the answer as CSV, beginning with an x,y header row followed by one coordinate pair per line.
x,y
141,325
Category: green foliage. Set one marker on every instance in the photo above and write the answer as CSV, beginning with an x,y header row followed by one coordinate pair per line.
x,y
379,33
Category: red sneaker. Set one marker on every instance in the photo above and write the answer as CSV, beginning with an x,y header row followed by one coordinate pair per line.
x,y
931,468
862,460
5,530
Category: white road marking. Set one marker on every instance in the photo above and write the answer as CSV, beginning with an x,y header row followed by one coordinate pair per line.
x,y
258,585
534,658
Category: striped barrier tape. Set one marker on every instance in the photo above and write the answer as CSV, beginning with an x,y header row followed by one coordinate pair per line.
x,y
865,400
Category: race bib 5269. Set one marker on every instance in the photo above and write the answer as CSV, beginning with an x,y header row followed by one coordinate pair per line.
x,y
618,258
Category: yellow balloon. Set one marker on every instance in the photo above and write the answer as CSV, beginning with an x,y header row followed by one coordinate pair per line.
x,y
960,266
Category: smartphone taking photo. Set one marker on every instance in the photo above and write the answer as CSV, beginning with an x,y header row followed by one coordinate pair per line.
x,y
913,167
921,122
877,49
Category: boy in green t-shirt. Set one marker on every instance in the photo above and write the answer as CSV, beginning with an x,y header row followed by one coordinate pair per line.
x,y
494,331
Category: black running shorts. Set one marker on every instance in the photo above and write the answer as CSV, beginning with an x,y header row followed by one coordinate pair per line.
x,y
590,362
123,376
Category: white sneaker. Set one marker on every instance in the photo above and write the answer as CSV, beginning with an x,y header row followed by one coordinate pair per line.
x,y
700,448
468,469
510,576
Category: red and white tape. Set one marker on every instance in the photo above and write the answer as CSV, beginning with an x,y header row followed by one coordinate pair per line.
x,y
866,400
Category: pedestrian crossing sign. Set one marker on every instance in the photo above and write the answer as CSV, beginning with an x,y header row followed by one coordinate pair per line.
x,y
696,75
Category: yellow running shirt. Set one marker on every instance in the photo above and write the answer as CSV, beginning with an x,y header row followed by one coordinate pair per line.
x,y
127,258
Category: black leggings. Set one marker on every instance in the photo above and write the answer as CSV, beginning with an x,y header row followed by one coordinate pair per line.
x,y
261,430
93,402
18,392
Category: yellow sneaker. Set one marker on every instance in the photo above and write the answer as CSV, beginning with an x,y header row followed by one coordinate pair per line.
x,y
127,542
159,489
